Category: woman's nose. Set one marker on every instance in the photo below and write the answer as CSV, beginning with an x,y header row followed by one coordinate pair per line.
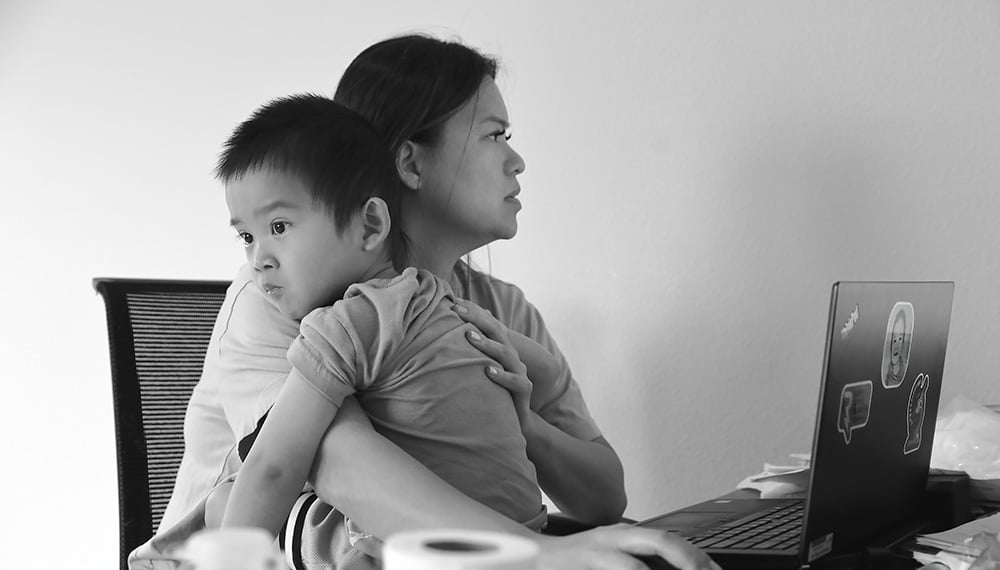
x,y
515,164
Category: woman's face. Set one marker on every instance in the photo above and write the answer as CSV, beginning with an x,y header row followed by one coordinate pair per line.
x,y
468,180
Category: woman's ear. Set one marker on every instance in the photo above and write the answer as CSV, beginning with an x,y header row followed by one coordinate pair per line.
x,y
408,165
375,223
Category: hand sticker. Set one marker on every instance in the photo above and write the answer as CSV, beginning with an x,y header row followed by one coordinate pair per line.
x,y
916,408
898,338
855,406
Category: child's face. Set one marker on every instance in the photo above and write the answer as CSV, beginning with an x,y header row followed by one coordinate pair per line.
x,y
298,258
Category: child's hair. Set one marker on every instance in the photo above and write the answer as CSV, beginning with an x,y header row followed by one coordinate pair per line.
x,y
333,150
408,86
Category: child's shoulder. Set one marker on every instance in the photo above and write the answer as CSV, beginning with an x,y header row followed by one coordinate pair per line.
x,y
383,306
411,284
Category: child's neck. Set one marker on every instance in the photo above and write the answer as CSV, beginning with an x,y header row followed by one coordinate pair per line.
x,y
380,270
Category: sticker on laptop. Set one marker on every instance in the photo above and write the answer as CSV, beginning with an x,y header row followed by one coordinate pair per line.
x,y
821,546
898,338
916,408
855,407
852,319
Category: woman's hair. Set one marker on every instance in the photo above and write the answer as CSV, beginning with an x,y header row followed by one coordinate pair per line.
x,y
408,86
333,150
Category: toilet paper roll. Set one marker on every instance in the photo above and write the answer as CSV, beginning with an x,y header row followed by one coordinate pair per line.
x,y
456,549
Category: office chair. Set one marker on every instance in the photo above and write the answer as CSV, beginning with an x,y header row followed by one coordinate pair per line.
x,y
158,332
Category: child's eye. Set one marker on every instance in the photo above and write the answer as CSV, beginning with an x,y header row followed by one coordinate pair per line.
x,y
244,238
278,228
505,133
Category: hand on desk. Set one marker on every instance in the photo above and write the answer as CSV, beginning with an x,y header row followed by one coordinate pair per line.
x,y
616,548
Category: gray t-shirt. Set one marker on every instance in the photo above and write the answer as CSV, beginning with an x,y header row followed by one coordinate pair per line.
x,y
400,349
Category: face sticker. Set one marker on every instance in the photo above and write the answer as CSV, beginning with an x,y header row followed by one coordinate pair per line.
x,y
898,338
851,320
916,408
855,406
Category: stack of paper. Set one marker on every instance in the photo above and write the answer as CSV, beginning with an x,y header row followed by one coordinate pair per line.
x,y
961,546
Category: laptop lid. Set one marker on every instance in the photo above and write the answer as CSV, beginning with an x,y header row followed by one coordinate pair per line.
x,y
881,384
878,404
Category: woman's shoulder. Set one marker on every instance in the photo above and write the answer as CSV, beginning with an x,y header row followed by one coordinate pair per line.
x,y
485,289
250,319
505,300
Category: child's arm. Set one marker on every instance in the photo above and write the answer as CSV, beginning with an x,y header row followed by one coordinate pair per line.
x,y
279,461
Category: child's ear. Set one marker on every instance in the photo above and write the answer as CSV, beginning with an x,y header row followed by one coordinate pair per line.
x,y
408,165
375,223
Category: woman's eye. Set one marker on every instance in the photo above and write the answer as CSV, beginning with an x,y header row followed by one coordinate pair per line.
x,y
244,238
505,134
278,228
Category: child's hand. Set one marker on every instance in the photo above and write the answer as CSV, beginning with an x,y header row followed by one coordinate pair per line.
x,y
515,352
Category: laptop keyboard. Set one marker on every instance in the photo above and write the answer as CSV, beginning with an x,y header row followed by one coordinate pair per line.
x,y
776,528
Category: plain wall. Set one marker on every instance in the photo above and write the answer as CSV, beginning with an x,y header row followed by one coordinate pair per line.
x,y
698,174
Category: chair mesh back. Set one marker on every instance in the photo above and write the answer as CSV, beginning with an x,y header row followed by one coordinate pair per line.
x,y
171,332
158,334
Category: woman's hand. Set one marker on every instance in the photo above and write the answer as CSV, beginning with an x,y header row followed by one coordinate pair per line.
x,y
616,547
528,371
582,477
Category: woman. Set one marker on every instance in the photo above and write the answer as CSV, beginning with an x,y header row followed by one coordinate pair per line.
x,y
437,106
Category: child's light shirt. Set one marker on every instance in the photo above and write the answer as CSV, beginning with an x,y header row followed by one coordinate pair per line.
x,y
397,345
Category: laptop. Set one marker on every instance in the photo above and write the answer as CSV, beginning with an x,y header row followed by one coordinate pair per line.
x,y
878,402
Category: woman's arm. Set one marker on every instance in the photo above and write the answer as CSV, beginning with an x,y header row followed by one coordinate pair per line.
x,y
584,478
278,464
385,491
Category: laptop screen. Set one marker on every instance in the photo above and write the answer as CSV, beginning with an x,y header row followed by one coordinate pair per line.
x,y
883,366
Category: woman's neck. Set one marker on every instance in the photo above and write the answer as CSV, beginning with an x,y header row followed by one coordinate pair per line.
x,y
438,260
434,245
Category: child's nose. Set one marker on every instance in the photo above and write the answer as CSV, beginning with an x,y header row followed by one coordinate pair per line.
x,y
263,258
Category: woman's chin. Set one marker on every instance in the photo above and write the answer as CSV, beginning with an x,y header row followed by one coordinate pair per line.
x,y
508,232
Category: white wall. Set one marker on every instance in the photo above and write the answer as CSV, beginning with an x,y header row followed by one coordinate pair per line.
x,y
698,174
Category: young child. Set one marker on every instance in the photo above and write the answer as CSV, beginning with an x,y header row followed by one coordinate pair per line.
x,y
310,189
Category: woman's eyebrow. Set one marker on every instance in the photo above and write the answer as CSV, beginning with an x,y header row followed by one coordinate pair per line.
x,y
496,119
